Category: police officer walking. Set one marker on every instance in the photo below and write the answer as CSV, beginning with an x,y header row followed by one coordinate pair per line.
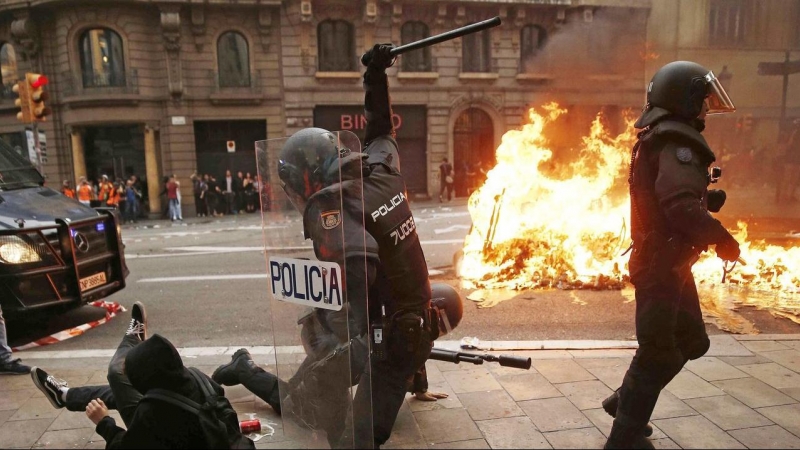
x,y
670,227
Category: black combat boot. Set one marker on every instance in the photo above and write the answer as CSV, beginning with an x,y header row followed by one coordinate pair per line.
x,y
229,374
243,370
610,406
623,437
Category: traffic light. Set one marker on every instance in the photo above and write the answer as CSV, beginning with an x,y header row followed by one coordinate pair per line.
x,y
23,102
36,83
31,98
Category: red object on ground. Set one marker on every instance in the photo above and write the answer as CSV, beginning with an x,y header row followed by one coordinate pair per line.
x,y
250,426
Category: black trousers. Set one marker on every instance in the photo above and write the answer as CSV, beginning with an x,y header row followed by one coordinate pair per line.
x,y
383,389
118,394
670,331
318,395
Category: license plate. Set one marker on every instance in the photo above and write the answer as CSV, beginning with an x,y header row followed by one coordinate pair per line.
x,y
93,281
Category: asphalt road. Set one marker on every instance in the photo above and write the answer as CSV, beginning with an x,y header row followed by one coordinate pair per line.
x,y
204,284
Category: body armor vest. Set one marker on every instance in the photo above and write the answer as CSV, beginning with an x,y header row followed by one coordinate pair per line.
x,y
646,213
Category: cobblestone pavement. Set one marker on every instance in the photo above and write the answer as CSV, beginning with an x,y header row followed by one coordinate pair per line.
x,y
744,393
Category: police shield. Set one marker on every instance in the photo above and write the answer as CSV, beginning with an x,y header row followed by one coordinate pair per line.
x,y
310,186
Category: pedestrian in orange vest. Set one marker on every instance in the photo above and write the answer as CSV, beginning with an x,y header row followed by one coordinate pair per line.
x,y
104,190
113,195
85,192
66,190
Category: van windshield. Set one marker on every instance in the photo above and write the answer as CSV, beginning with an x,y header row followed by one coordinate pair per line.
x,y
16,172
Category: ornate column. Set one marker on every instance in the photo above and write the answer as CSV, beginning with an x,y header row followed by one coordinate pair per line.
x,y
151,167
370,19
306,22
171,33
78,153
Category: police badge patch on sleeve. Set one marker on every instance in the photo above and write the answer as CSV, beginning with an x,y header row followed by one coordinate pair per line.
x,y
331,219
684,155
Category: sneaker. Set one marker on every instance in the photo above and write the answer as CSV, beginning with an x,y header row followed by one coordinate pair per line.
x,y
138,325
50,386
14,367
228,374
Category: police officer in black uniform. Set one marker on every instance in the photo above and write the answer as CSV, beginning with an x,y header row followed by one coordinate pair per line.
x,y
356,212
670,226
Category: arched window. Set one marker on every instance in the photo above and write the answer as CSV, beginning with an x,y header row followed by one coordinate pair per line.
x,y
233,60
419,60
531,40
476,52
102,58
8,69
336,46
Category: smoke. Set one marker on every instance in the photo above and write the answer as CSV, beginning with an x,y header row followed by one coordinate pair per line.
x,y
595,51
591,43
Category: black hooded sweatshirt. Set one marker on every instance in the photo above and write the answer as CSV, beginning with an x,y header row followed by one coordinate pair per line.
x,y
155,363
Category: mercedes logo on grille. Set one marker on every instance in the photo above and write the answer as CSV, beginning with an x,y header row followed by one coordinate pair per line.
x,y
81,242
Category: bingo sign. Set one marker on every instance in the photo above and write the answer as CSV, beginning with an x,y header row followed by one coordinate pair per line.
x,y
317,284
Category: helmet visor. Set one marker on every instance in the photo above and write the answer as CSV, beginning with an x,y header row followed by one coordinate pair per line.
x,y
718,101
295,199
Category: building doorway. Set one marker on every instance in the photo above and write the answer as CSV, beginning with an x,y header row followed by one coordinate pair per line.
x,y
214,156
116,151
473,145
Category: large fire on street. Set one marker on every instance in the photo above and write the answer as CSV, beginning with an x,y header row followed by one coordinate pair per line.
x,y
541,222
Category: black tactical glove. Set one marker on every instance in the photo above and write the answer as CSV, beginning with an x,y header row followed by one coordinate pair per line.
x,y
728,249
715,199
379,57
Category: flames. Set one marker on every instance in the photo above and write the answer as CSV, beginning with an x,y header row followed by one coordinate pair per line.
x,y
544,221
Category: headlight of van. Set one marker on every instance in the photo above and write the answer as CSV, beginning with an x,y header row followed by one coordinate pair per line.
x,y
14,250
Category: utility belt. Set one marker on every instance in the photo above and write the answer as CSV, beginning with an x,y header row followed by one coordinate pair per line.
x,y
665,253
406,335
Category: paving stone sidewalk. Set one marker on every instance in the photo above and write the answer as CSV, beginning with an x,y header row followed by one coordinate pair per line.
x,y
744,394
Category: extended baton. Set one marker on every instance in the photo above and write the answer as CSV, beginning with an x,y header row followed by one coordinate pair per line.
x,y
446,36
519,362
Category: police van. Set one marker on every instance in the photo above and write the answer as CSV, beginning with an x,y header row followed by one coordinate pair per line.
x,y
55,253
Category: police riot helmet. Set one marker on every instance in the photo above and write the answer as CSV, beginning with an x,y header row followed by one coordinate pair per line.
x,y
310,161
448,301
679,89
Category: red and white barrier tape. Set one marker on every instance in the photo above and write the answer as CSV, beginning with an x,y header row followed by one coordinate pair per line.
x,y
112,308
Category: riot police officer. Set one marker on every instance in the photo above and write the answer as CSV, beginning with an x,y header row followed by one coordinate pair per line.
x,y
670,226
356,213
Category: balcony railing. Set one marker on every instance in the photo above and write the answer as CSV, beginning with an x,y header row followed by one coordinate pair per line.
x,y
100,83
254,87
251,94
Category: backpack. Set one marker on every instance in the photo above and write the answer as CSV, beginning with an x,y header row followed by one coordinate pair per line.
x,y
217,417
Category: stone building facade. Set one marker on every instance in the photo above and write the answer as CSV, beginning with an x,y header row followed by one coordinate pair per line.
x,y
731,37
163,87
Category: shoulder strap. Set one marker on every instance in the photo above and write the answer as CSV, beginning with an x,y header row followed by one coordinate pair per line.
x,y
202,382
682,130
174,399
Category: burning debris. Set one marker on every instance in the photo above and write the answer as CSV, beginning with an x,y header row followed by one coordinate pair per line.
x,y
540,223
